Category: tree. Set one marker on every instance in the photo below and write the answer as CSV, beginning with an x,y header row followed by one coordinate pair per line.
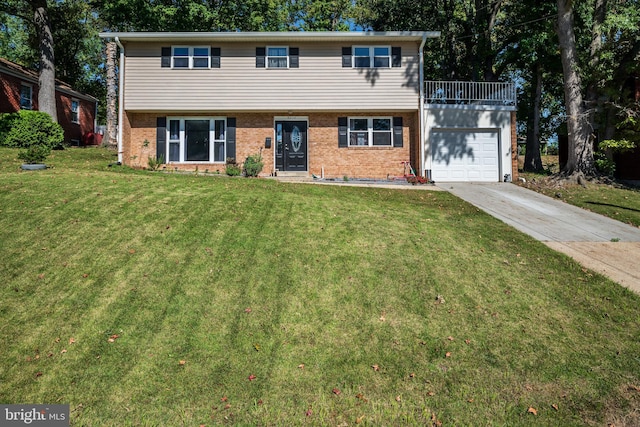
x,y
37,12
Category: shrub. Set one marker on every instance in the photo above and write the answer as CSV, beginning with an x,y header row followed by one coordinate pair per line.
x,y
6,123
34,154
232,168
34,128
253,165
155,163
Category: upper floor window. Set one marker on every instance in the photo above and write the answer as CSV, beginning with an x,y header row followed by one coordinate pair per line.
x,y
277,57
75,111
371,56
26,96
190,56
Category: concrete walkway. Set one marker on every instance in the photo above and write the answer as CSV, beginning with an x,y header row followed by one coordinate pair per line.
x,y
597,242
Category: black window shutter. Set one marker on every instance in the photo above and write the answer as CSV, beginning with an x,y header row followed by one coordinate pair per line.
x,y
397,132
343,126
166,57
215,57
260,54
231,137
346,57
396,57
294,57
161,139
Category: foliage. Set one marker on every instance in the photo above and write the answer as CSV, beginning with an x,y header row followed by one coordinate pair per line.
x,y
34,128
232,168
6,123
155,162
253,165
34,154
604,160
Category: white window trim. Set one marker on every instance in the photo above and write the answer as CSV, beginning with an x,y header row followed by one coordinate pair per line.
x,y
181,141
266,57
30,86
369,130
191,57
77,112
372,57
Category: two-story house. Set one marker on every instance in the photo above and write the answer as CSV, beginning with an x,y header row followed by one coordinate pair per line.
x,y
330,104
76,110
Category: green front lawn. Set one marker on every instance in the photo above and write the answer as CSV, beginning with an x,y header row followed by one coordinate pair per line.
x,y
145,298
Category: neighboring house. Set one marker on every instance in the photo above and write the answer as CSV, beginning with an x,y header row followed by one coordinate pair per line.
x,y
19,91
330,104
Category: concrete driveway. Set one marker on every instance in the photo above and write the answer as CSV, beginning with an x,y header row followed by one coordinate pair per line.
x,y
597,242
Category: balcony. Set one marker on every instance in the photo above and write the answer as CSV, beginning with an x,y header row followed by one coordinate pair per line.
x,y
470,93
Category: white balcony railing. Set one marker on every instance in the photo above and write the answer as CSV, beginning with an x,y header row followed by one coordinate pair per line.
x,y
481,93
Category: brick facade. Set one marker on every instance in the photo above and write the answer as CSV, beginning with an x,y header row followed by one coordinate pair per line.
x,y
323,152
514,148
13,76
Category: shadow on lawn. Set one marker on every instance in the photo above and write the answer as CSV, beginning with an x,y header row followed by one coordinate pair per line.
x,y
613,206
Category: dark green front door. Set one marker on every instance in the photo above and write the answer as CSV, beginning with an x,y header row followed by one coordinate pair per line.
x,y
291,146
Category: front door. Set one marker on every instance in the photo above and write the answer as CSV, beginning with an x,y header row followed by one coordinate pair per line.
x,y
291,146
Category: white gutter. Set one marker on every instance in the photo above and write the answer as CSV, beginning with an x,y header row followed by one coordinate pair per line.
x,y
422,171
120,97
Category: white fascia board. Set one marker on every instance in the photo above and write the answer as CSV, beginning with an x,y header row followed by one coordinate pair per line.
x,y
292,36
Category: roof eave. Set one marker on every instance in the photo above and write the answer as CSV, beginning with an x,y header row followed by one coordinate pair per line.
x,y
299,36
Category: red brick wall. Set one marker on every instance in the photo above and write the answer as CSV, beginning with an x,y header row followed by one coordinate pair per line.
x,y
10,99
10,102
253,128
514,148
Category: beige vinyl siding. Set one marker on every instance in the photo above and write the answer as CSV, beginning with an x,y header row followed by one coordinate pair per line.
x,y
320,84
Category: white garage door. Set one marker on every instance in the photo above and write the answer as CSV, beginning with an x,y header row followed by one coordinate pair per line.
x,y
464,155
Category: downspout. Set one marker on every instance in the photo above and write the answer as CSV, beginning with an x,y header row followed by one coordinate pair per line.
x,y
120,98
422,171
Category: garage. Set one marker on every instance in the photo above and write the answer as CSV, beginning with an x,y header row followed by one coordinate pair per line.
x,y
465,155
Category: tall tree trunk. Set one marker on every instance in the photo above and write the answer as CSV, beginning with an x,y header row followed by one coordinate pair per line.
x,y
47,76
532,159
580,149
112,95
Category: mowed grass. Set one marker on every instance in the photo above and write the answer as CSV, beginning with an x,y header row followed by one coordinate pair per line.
x,y
148,299
614,200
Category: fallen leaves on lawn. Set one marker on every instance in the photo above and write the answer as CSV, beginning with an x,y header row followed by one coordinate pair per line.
x,y
375,367
252,377
447,354
72,340
309,412
450,338
247,310
113,338
532,410
182,362
359,419
554,406
336,391
360,396
301,366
